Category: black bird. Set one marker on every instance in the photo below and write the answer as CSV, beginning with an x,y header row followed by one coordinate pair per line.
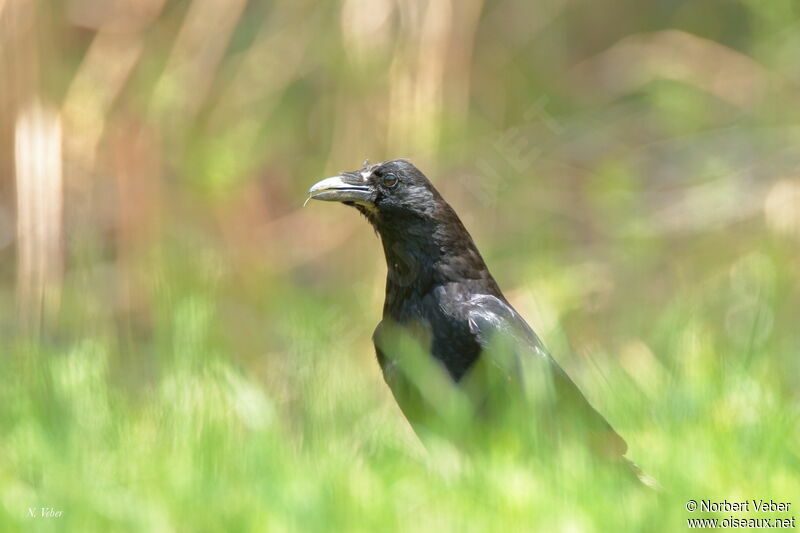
x,y
440,294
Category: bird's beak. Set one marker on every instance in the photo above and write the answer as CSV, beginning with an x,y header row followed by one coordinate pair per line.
x,y
344,188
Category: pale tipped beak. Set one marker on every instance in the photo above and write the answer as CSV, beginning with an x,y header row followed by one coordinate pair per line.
x,y
342,188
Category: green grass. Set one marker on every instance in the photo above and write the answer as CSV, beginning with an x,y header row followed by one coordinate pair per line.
x,y
210,367
185,433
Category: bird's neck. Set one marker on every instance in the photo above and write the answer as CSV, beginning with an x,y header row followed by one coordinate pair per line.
x,y
421,255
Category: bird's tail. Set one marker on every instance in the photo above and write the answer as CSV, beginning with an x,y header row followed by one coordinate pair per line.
x,y
645,479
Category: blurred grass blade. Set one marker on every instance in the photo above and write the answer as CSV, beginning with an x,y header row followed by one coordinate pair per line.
x,y
37,142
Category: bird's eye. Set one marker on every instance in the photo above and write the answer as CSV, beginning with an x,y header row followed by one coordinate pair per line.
x,y
389,180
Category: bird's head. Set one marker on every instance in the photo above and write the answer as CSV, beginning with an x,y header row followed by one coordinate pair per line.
x,y
391,192
423,239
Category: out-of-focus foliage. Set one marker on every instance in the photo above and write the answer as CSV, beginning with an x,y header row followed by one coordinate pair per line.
x,y
183,348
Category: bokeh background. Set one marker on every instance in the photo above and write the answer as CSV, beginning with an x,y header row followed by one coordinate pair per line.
x,y
184,347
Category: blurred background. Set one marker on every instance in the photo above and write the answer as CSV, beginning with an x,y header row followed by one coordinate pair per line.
x,y
630,171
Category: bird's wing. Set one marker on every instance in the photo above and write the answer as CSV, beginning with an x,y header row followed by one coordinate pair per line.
x,y
512,350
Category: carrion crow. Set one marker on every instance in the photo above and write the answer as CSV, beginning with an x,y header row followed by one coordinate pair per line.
x,y
443,305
